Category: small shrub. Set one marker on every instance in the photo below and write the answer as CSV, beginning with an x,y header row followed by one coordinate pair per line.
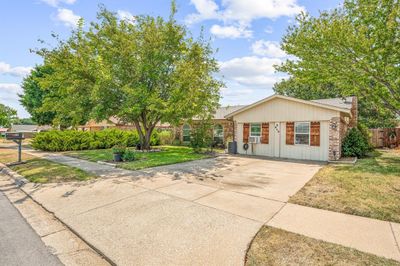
x,y
201,136
119,149
166,137
355,144
128,156
155,138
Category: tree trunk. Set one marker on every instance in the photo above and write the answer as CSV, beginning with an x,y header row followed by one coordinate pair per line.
x,y
144,135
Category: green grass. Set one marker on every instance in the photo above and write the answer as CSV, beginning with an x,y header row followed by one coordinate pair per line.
x,y
168,155
44,171
370,188
278,247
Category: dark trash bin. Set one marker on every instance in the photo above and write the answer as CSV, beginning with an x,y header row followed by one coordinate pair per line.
x,y
232,147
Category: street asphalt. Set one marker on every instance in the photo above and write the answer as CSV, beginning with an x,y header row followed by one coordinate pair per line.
x,y
19,244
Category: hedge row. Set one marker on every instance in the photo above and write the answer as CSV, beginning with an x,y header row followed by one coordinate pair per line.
x,y
72,140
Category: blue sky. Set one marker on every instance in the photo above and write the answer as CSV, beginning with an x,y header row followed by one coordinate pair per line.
x,y
245,32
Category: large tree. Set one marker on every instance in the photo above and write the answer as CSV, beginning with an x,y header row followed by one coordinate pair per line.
x,y
355,48
7,115
33,96
142,71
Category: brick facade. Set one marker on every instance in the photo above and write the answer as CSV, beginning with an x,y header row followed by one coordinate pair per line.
x,y
338,127
335,138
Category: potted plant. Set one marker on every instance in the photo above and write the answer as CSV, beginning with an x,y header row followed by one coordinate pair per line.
x,y
118,152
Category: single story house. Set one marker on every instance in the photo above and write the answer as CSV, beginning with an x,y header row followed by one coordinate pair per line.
x,y
286,127
29,130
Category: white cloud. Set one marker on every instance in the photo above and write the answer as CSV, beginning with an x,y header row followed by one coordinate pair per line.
x,y
240,12
55,3
9,92
67,17
207,9
251,71
229,92
10,88
231,32
125,15
18,71
9,96
267,48
243,11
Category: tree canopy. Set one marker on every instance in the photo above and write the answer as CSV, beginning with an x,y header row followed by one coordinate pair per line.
x,y
33,96
7,115
354,48
142,71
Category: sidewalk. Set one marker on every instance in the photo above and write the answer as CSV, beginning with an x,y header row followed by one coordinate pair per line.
x,y
365,234
19,244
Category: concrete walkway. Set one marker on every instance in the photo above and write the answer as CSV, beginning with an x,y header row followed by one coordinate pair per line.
x,y
202,212
369,235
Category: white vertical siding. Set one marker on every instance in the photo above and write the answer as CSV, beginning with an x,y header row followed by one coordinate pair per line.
x,y
302,152
255,149
281,110
306,152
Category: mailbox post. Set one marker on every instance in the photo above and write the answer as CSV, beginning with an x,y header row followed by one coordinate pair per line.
x,y
17,138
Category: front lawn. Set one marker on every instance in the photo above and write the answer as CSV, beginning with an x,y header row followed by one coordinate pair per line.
x,y
40,170
167,155
44,171
370,188
278,247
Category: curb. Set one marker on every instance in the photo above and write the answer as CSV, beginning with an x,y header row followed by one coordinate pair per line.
x,y
106,163
352,161
20,181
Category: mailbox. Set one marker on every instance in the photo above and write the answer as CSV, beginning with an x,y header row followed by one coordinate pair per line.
x,y
14,136
17,137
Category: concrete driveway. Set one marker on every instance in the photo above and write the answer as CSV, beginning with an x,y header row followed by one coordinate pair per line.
x,y
199,213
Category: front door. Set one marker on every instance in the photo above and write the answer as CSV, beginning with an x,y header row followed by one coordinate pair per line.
x,y
277,139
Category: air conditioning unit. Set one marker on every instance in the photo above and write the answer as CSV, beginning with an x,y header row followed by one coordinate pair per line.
x,y
254,139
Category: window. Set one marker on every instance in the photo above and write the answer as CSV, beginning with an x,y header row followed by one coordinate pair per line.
x,y
255,130
186,132
302,133
218,134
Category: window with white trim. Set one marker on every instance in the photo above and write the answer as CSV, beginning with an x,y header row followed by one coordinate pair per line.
x,y
255,130
302,133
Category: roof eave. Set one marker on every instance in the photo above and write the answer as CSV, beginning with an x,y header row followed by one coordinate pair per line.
x,y
325,106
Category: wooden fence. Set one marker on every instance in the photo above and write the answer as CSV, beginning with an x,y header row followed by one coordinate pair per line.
x,y
385,137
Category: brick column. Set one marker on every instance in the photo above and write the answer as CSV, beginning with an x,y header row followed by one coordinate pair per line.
x,y
334,138
235,131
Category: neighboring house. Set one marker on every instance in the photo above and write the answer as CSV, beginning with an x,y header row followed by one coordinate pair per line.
x,y
222,127
285,127
29,130
114,122
3,131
